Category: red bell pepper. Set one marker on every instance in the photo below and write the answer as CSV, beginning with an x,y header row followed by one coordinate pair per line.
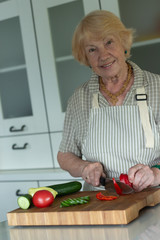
x,y
117,188
124,178
102,197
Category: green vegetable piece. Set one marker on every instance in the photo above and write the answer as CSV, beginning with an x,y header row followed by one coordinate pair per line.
x,y
66,188
74,201
64,204
86,198
24,201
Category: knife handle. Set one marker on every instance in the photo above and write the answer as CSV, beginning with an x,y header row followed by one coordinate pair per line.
x,y
102,181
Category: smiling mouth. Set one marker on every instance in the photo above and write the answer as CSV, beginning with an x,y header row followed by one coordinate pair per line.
x,y
107,65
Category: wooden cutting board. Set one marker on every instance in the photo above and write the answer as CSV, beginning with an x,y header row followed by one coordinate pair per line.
x,y
120,211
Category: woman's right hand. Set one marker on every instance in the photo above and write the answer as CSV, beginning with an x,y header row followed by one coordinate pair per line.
x,y
89,171
92,172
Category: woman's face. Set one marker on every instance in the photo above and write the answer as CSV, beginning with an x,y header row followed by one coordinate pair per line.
x,y
106,57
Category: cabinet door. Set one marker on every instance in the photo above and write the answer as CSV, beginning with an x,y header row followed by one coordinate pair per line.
x,y
9,198
21,96
25,152
110,5
55,21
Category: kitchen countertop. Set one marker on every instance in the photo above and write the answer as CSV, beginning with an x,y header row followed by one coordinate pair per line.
x,y
34,174
145,227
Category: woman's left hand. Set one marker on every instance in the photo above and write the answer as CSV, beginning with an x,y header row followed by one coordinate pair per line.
x,y
142,176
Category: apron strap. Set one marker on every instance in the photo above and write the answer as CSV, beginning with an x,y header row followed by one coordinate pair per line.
x,y
141,98
95,103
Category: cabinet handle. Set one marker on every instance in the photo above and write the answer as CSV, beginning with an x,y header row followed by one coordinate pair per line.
x,y
15,147
18,193
13,129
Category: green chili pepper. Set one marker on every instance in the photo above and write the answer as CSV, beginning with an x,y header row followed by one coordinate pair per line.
x,y
74,201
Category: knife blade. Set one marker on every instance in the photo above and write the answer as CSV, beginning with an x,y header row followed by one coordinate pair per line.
x,y
108,184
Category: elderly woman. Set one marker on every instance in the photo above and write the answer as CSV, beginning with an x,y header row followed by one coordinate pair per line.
x,y
112,123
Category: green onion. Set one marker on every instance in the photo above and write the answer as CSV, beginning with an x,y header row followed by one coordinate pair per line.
x,y
74,201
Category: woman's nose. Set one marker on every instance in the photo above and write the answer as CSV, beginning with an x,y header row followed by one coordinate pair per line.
x,y
103,54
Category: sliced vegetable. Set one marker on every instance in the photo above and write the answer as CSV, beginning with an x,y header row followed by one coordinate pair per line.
x,y
32,191
102,197
74,201
117,188
124,178
24,201
67,188
43,198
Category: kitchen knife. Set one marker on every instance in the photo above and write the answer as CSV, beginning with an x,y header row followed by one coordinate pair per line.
x,y
108,183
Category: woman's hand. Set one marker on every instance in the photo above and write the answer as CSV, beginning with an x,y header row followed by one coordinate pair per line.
x,y
142,176
92,172
89,171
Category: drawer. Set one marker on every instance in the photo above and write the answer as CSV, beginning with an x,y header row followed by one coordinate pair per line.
x,y
25,152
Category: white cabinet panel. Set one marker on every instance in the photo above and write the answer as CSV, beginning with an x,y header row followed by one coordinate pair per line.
x,y
110,5
21,95
56,139
8,196
8,9
25,152
55,22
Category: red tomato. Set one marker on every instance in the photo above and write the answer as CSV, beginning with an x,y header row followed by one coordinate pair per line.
x,y
42,198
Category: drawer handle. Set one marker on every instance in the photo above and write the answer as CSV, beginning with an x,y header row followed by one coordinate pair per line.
x,y
15,146
18,193
13,129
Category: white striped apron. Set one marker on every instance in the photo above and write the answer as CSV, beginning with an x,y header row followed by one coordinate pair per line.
x,y
121,136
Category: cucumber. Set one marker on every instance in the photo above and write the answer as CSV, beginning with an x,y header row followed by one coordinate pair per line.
x,y
24,201
66,188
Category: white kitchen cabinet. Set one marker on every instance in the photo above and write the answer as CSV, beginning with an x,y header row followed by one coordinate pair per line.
x,y
24,142
25,152
55,21
22,108
8,195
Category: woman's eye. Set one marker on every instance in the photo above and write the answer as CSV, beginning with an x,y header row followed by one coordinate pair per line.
x,y
109,42
91,50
